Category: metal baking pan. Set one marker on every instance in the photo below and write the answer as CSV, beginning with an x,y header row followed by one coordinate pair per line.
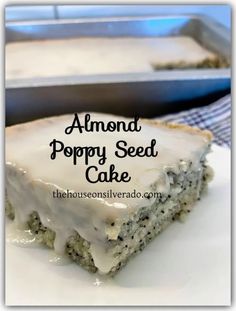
x,y
147,94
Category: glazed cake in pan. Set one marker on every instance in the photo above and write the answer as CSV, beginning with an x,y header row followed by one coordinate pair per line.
x,y
85,56
101,234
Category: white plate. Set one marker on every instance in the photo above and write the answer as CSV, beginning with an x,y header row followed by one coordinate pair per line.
x,y
188,264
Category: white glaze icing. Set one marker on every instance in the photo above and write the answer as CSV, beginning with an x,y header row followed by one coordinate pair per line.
x,y
31,176
84,56
58,260
20,237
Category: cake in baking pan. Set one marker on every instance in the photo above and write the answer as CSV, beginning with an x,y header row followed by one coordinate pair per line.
x,y
90,56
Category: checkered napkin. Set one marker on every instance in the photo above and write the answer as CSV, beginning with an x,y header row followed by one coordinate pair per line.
x,y
215,117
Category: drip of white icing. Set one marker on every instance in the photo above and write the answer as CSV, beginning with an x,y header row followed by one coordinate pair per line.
x,y
102,258
31,177
20,236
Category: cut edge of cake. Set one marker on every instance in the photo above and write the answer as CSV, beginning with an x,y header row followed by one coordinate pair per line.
x,y
216,61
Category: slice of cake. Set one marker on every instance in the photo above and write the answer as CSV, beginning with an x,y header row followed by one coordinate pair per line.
x,y
100,225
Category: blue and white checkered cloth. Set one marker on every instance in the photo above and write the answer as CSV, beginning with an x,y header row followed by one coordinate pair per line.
x,y
215,117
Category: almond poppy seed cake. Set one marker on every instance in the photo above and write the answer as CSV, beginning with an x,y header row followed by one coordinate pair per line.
x,y
86,56
102,233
